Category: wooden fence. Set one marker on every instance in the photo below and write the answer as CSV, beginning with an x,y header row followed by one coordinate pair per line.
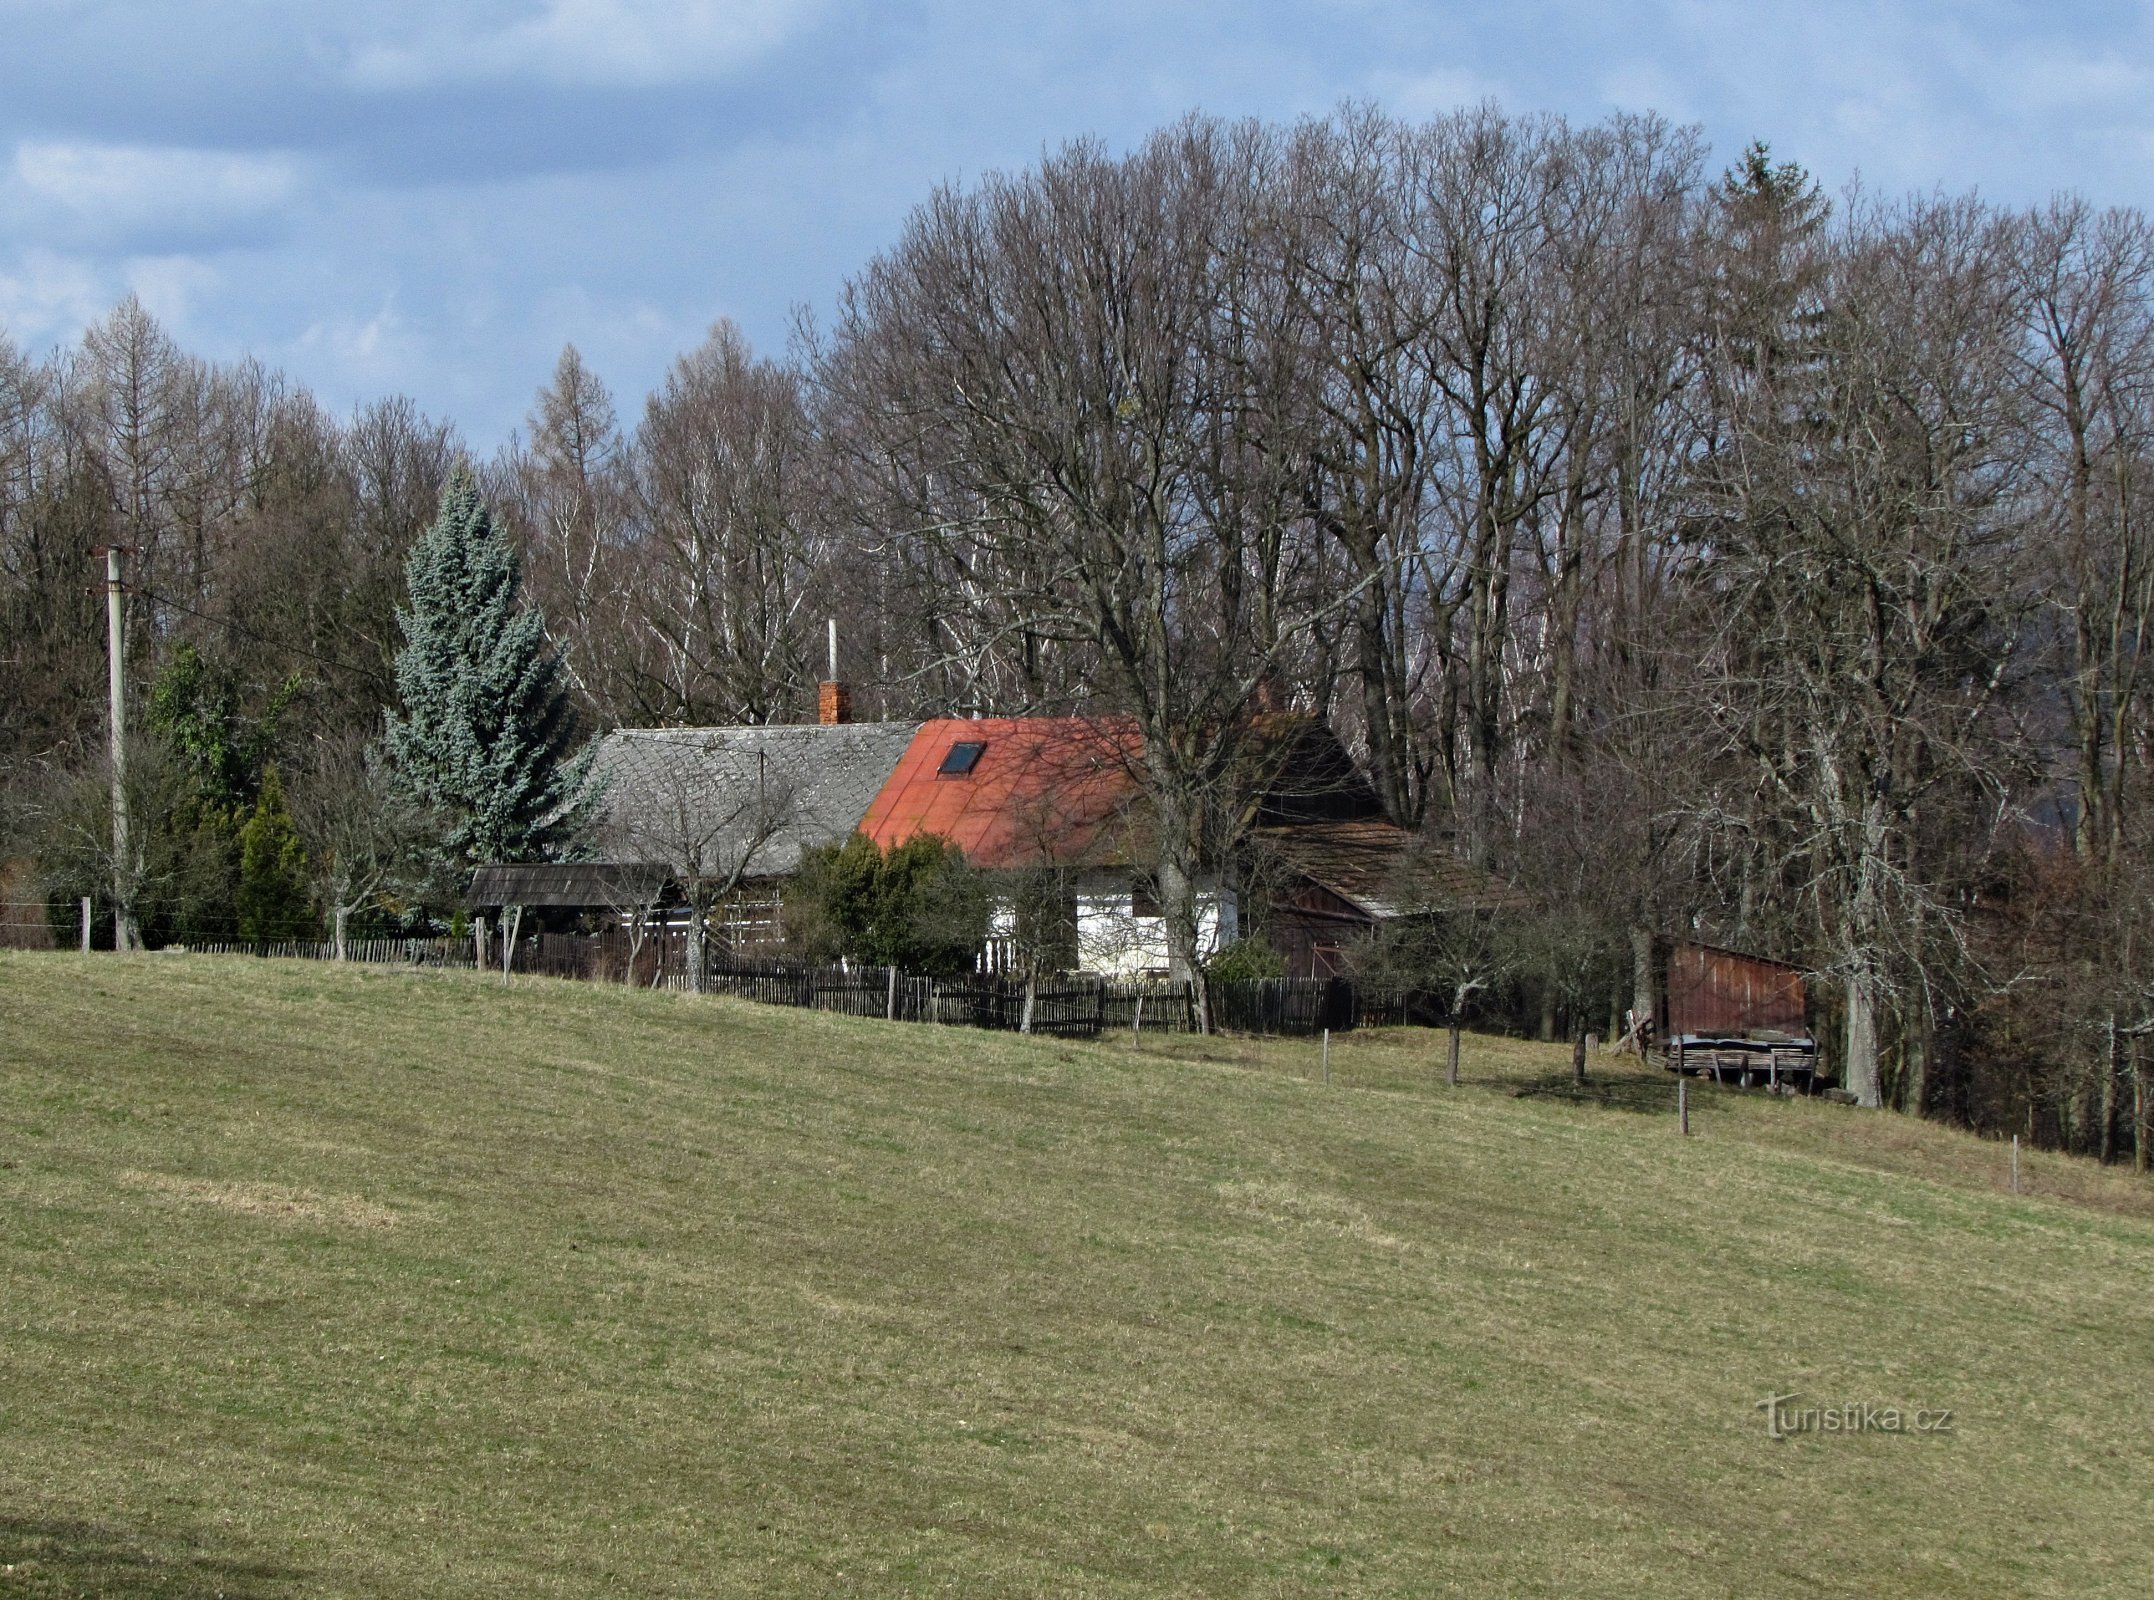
x,y
1071,1006
374,952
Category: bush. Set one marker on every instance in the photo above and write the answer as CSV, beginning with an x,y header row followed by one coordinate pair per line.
x,y
1246,961
917,906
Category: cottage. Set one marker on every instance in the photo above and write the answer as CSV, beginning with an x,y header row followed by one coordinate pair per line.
x,y
1054,807
710,813
1055,800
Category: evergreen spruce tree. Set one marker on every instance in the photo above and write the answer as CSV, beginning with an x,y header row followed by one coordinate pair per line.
x,y
482,739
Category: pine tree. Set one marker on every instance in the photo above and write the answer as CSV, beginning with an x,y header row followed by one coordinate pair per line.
x,y
483,737
274,899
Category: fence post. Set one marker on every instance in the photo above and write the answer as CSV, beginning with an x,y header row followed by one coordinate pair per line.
x,y
1327,1055
2015,1163
85,924
1682,1105
890,1003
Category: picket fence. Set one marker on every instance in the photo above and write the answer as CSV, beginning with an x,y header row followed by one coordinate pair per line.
x,y
1067,1006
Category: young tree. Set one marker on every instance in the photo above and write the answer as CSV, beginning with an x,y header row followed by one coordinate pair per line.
x,y
273,900
357,829
707,823
484,732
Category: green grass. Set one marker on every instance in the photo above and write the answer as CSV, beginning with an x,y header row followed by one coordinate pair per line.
x,y
319,1281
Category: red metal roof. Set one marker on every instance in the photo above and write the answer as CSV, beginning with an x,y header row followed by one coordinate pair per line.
x,y
1045,789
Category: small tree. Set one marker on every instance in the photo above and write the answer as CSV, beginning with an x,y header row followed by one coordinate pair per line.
x,y
483,734
1460,952
1246,960
1456,937
356,827
274,902
708,826
1578,956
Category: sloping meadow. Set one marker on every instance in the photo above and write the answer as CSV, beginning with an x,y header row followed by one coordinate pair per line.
x,y
351,1281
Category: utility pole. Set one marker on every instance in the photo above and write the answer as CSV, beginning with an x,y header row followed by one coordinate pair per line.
x,y
124,936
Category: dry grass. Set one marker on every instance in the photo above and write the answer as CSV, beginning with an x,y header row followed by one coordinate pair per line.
x,y
689,1297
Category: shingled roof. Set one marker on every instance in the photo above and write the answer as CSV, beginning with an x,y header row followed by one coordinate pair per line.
x,y
1016,791
803,785
566,883
1384,870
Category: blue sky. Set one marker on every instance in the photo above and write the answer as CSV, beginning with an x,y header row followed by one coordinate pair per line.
x,y
431,198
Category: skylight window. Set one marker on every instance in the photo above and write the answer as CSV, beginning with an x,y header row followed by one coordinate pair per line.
x,y
961,759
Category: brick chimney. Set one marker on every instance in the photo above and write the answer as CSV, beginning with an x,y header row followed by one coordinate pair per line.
x,y
833,703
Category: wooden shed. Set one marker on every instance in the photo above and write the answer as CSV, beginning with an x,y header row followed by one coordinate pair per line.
x,y
1734,1016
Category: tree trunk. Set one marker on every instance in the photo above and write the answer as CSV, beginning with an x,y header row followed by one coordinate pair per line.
x,y
2109,1095
1915,1072
1644,997
1578,1052
1861,1056
336,930
1178,911
698,980
1451,1051
2139,1111
1548,1017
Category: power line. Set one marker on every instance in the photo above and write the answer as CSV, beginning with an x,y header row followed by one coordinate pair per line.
x,y
375,674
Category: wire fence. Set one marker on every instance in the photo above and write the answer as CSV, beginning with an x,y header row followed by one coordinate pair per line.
x,y
1069,1006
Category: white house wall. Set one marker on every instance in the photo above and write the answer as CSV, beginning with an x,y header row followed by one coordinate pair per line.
x,y
1115,942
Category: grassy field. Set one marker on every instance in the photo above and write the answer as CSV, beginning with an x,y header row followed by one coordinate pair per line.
x,y
319,1281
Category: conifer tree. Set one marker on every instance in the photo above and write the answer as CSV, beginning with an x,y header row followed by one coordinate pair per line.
x,y
483,736
274,900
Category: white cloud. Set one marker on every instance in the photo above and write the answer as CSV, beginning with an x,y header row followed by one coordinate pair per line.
x,y
616,43
1432,93
170,286
363,352
126,186
46,297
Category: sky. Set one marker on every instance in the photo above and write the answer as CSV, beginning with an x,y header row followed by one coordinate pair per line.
x,y
432,197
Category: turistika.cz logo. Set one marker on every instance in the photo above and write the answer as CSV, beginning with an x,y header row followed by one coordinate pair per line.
x,y
1786,1417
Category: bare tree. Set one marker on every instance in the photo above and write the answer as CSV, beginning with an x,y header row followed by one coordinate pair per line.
x,y
709,825
1867,579
726,552
1075,347
355,825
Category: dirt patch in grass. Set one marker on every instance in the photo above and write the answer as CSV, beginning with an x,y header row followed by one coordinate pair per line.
x,y
269,1200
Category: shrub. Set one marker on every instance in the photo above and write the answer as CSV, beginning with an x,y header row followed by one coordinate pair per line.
x,y
917,906
1246,961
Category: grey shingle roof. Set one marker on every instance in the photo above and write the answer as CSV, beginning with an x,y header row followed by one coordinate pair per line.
x,y
776,790
566,883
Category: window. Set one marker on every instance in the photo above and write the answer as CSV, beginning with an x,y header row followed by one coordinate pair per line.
x,y
961,759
